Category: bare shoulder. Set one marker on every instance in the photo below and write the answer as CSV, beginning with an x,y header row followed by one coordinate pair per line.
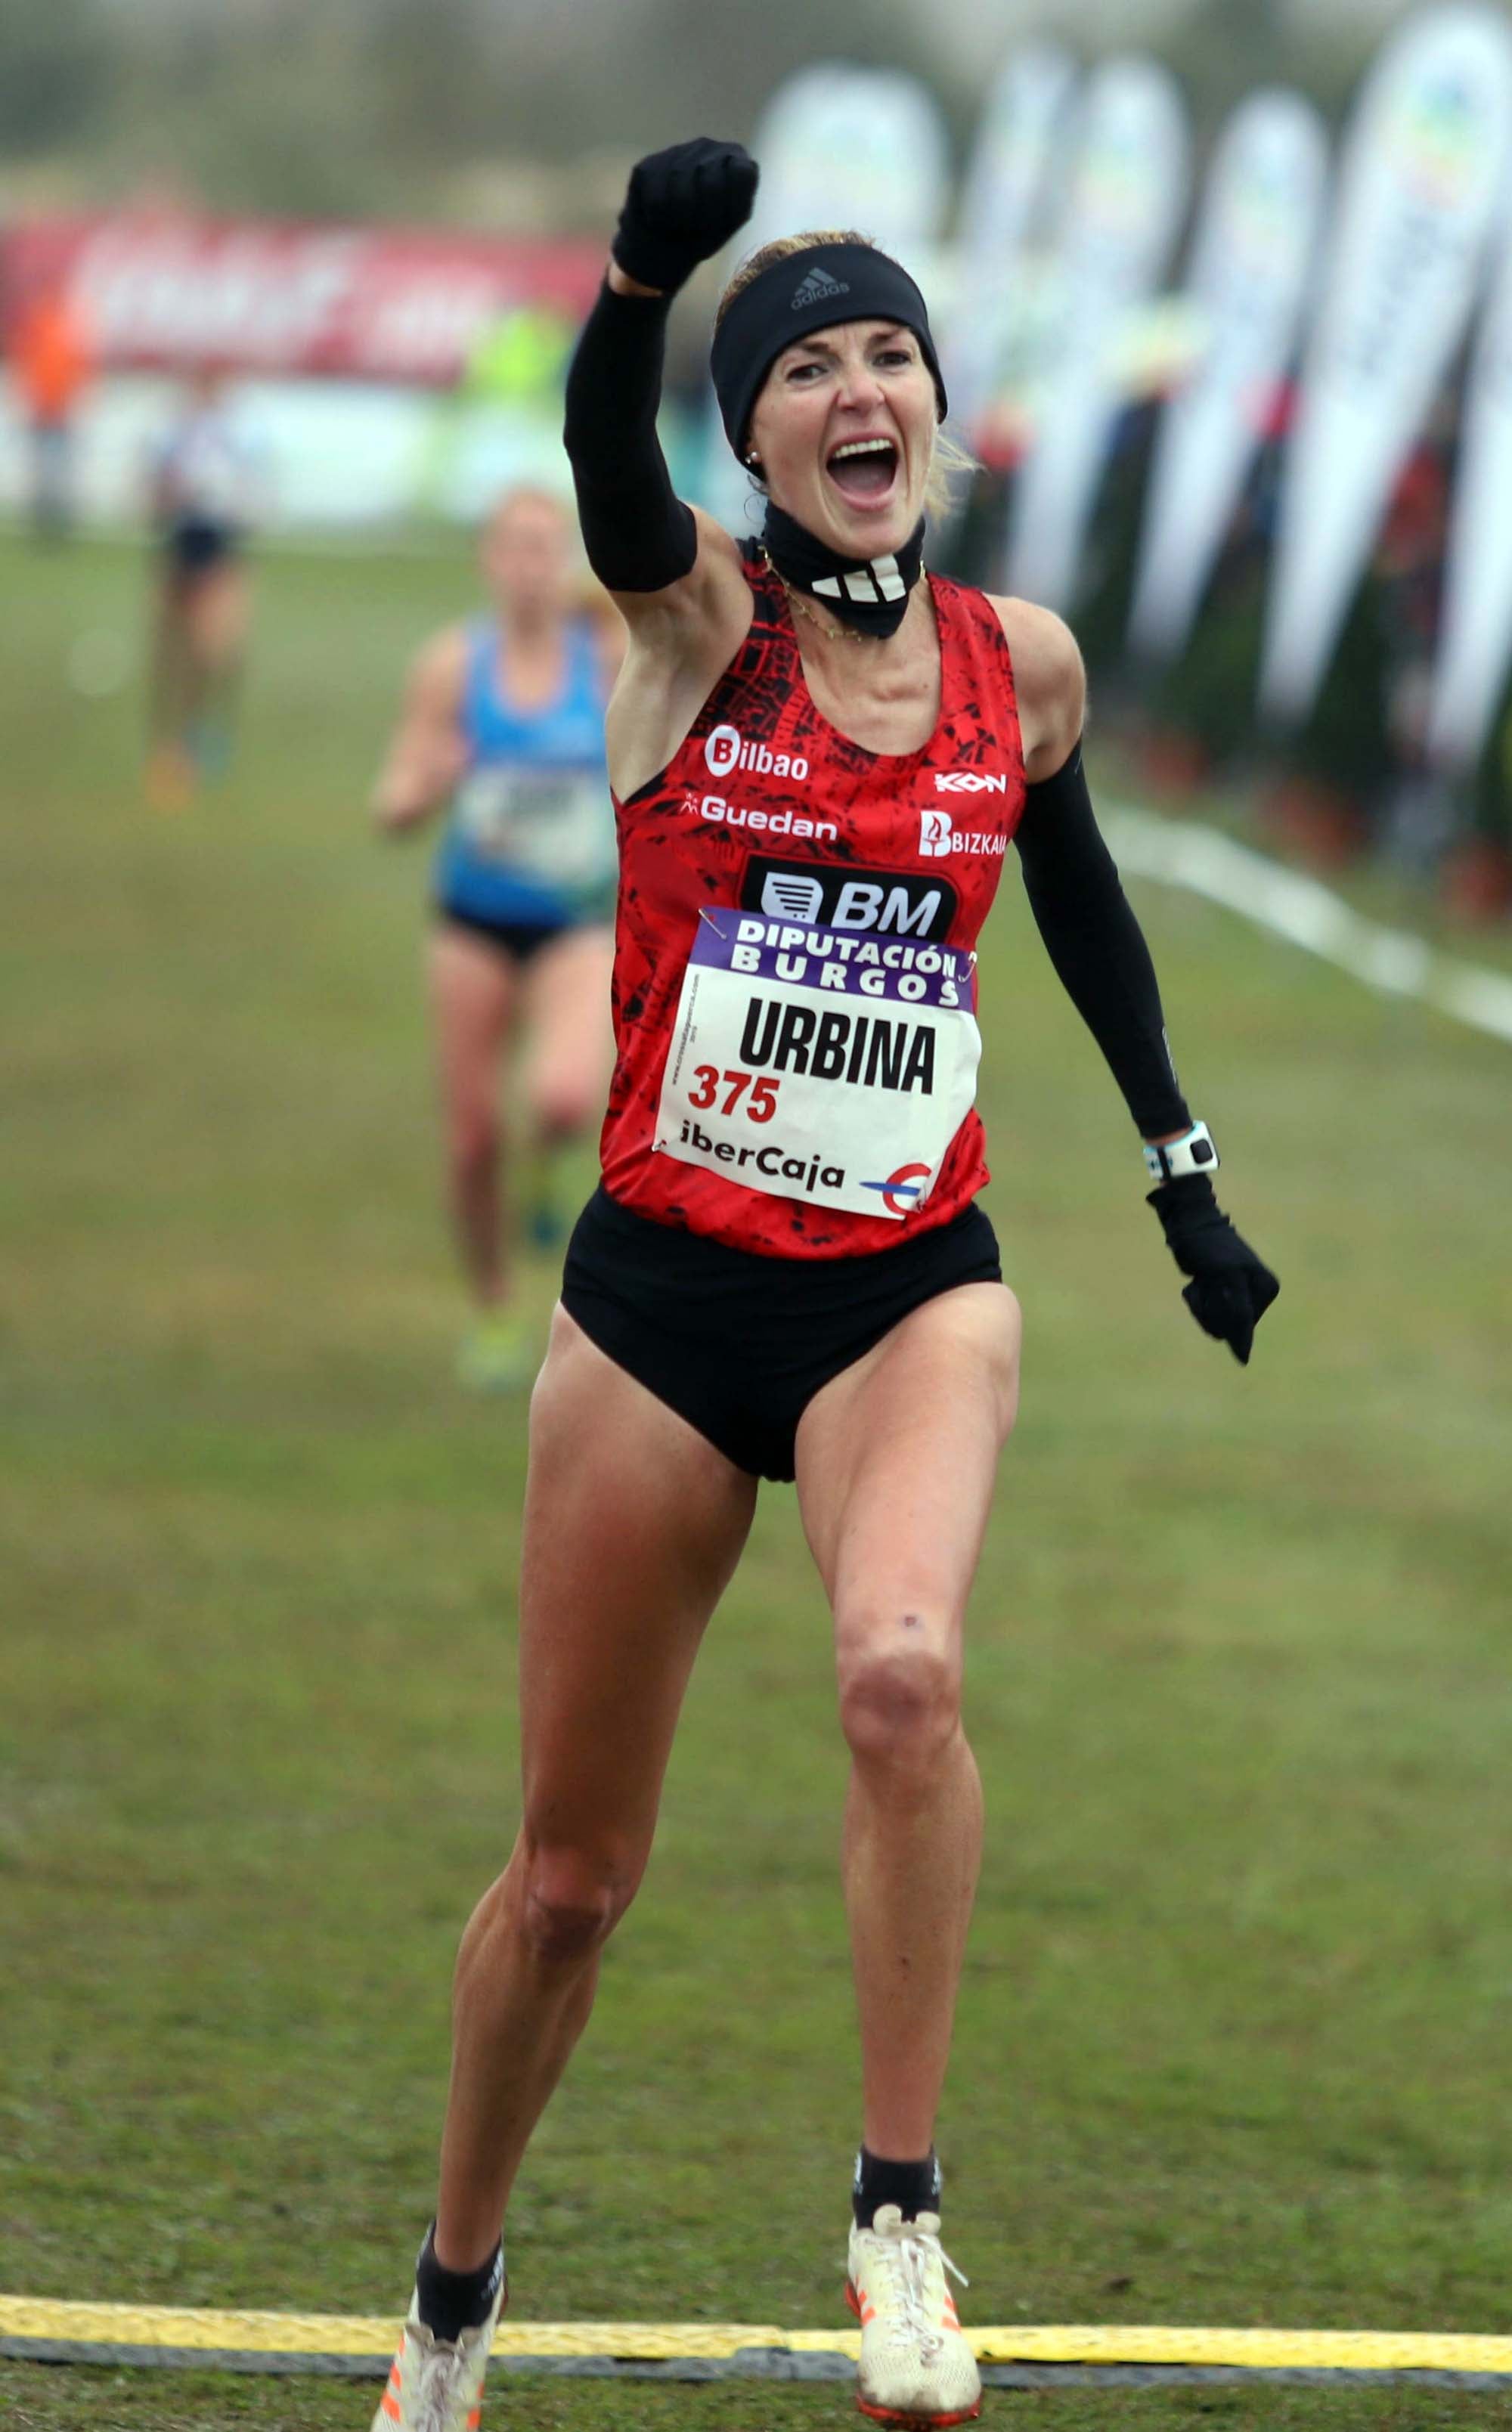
x,y
1050,681
1044,648
438,670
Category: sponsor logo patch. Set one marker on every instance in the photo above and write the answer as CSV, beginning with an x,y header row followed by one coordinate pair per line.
x,y
818,288
799,1175
898,902
878,582
939,837
901,1189
786,822
971,781
725,749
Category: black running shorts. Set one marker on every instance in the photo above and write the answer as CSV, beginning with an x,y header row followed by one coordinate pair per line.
x,y
517,941
739,1344
195,543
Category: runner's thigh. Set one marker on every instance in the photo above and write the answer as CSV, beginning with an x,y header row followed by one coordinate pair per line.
x,y
897,1455
473,992
571,1049
219,610
632,1526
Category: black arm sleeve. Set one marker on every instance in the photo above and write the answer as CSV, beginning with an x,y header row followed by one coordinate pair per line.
x,y
1097,946
639,534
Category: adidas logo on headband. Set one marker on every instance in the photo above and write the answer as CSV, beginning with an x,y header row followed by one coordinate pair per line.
x,y
817,288
879,578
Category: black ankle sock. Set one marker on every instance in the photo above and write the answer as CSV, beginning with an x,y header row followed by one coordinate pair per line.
x,y
453,2302
914,2187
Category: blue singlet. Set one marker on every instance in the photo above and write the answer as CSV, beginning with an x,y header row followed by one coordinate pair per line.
x,y
530,842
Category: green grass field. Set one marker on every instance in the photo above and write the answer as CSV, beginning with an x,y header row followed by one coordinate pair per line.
x,y
1234,2045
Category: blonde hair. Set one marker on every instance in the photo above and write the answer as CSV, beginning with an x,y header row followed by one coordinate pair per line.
x,y
949,462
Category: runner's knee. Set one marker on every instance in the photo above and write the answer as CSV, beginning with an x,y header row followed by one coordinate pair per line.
x,y
563,1105
899,1694
573,1901
473,1135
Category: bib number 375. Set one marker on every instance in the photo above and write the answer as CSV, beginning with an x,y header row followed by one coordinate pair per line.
x,y
752,1094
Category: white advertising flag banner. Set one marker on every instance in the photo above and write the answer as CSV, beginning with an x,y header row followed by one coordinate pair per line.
x,y
1005,182
1421,174
1475,645
1245,286
1128,187
839,146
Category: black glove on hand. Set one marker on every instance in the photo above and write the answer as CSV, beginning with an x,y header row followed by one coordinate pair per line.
x,y
683,205
1230,1289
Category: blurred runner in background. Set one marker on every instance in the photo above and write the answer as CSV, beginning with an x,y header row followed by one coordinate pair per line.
x,y
206,493
502,720
52,363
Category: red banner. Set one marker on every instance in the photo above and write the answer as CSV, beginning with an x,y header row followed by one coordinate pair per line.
x,y
164,292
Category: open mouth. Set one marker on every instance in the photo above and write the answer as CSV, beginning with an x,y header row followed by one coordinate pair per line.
x,y
862,470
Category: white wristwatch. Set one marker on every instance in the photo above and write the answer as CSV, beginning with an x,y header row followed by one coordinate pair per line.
x,y
1194,1153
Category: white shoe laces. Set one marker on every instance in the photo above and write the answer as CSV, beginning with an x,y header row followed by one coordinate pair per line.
x,y
909,2251
438,2384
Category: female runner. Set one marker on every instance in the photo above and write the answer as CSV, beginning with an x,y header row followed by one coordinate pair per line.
x,y
206,493
819,757
504,717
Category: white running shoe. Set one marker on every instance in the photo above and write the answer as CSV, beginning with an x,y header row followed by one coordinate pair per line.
x,y
437,2385
916,2369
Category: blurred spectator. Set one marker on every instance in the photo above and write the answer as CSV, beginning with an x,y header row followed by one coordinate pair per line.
x,y
1477,877
52,363
206,495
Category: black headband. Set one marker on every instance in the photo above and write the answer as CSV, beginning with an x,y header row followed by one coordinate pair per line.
x,y
793,297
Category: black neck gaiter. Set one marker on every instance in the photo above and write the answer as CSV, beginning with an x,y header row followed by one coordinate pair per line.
x,y
870,593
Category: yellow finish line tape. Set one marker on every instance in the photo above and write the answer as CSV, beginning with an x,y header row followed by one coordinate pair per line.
x,y
82,2327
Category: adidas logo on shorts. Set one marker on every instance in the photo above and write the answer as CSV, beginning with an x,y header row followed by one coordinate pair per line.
x,y
817,288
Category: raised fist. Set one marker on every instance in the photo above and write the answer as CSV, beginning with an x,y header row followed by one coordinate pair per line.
x,y
683,205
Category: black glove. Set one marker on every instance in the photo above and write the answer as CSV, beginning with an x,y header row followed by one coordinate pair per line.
x,y
1230,1289
683,205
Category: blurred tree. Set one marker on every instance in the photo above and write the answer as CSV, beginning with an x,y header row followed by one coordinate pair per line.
x,y
443,80
56,62
260,107
382,107
684,73
379,106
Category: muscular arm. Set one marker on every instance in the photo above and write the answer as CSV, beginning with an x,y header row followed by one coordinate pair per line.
x,y
1082,914
426,757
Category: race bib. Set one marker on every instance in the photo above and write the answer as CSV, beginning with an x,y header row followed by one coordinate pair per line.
x,y
820,1064
550,824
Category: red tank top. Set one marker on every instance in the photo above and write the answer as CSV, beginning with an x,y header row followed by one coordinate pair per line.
x,y
794,985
